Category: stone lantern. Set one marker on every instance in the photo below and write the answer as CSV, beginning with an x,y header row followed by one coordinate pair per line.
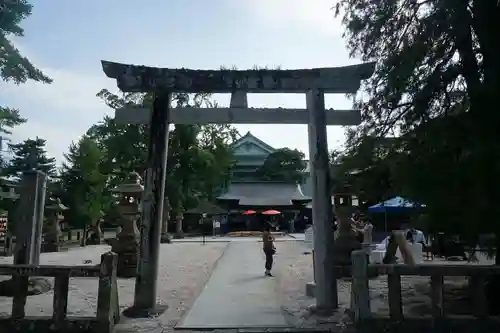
x,y
165,238
128,240
52,236
346,240
95,231
178,225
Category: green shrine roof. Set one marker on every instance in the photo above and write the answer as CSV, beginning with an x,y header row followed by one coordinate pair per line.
x,y
265,194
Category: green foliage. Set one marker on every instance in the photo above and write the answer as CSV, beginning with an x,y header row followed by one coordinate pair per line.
x,y
9,118
216,140
284,165
13,66
368,169
83,183
199,157
434,89
30,154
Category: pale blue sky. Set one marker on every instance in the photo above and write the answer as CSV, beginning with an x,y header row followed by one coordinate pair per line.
x,y
68,39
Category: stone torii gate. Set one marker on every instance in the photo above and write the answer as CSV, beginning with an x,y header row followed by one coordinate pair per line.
x,y
164,81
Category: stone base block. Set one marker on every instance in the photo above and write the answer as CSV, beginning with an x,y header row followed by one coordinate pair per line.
x,y
179,235
93,241
36,286
165,239
127,265
49,247
136,312
110,241
310,289
321,310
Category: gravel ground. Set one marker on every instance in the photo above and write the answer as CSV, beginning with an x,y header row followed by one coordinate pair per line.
x,y
184,270
294,269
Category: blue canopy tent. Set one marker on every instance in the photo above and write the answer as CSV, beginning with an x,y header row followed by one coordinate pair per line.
x,y
394,205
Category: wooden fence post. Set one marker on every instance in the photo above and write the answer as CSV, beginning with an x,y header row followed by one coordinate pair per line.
x,y
20,285
360,292
107,295
60,302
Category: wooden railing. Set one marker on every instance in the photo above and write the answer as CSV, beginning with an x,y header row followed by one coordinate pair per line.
x,y
71,236
107,299
361,307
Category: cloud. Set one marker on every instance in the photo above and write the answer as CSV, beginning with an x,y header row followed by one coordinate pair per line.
x,y
310,15
62,111
59,112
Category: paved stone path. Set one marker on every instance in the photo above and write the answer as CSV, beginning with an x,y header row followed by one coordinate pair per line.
x,y
237,295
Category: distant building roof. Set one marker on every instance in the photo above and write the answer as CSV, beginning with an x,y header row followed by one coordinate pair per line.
x,y
310,205
250,137
265,194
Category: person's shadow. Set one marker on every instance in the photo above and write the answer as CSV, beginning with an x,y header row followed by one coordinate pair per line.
x,y
250,279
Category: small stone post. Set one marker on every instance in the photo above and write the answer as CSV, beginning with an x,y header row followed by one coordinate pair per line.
x,y
108,311
165,238
28,230
52,238
360,292
179,234
95,236
127,241
346,241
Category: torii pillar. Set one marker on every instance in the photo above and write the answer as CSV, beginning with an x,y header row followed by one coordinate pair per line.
x,y
164,81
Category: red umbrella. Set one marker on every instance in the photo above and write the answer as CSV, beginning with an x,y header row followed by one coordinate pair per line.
x,y
271,212
249,212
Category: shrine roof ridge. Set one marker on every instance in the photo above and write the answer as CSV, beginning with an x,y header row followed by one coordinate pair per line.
x,y
137,78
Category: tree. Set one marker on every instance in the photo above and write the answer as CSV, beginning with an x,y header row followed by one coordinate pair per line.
x,y
217,140
434,87
369,169
13,66
198,156
83,183
284,165
30,154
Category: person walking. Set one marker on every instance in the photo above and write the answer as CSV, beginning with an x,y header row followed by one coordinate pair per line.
x,y
269,249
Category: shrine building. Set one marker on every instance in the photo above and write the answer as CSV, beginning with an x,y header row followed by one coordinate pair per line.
x,y
246,191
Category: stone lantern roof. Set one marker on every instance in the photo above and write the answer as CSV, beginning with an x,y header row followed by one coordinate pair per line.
x,y
7,189
56,205
131,184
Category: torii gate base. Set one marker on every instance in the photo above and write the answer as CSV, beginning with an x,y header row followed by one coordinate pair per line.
x,y
163,81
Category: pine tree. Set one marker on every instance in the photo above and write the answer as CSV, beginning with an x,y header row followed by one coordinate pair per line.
x,y
13,66
28,155
83,183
